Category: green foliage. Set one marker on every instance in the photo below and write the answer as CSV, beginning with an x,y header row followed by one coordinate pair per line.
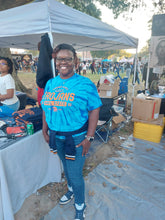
x,y
6,4
117,6
107,53
86,6
100,54
145,50
159,6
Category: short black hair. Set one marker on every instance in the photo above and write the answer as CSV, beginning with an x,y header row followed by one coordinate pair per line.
x,y
9,63
64,47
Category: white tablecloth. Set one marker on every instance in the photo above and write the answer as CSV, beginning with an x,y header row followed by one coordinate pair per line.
x,y
25,166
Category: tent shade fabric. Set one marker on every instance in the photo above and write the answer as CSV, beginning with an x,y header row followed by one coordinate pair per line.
x,y
106,60
23,26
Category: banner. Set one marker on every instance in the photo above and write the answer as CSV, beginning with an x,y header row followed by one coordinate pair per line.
x,y
157,47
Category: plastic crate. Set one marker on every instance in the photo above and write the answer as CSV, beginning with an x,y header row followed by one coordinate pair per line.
x,y
148,132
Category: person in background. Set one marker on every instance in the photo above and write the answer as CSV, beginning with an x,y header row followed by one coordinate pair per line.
x,y
93,67
128,70
79,67
84,68
71,107
99,68
9,102
137,69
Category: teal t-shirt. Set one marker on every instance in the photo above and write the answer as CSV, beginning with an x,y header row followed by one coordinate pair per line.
x,y
67,102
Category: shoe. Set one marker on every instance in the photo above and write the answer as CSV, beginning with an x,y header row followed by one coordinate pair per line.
x,y
80,214
66,198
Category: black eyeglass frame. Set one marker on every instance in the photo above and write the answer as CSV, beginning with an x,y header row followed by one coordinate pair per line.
x,y
66,59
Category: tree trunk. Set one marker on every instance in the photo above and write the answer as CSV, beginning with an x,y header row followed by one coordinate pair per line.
x,y
5,52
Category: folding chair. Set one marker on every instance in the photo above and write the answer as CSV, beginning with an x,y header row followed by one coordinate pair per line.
x,y
104,125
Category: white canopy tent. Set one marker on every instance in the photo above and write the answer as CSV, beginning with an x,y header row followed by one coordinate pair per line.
x,y
23,26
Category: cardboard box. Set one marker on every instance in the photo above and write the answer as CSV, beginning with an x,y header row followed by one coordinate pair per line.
x,y
159,121
149,131
117,120
109,90
146,109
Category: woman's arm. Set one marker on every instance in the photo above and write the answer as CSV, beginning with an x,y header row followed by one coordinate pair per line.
x,y
9,95
92,124
45,128
92,121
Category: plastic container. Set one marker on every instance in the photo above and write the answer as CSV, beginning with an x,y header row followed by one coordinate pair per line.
x,y
148,132
104,70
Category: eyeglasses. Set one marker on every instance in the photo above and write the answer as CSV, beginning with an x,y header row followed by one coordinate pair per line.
x,y
3,64
66,60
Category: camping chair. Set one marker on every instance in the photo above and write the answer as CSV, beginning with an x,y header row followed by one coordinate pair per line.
x,y
104,125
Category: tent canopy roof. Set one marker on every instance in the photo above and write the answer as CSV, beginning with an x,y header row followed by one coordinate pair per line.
x,y
23,26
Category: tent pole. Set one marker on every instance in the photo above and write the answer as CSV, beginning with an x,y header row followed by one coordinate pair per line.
x,y
135,63
148,70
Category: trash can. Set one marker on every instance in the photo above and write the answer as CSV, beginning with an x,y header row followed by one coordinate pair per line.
x,y
104,70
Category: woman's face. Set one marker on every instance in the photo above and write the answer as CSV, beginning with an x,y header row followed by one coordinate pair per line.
x,y
65,63
4,66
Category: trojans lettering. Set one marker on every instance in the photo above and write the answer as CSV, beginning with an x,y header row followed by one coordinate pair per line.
x,y
50,96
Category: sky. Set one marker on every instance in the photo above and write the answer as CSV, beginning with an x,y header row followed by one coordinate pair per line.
x,y
137,27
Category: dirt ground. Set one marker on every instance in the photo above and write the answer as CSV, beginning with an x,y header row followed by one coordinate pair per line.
x,y
39,204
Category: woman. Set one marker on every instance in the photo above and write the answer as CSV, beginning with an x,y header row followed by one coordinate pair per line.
x,y
9,102
70,112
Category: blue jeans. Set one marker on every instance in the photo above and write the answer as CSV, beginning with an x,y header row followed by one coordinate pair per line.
x,y
73,169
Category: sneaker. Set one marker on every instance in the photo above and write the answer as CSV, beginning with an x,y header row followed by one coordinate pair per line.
x,y
80,214
66,198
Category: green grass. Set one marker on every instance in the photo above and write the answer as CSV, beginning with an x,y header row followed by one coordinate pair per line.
x,y
25,76
95,77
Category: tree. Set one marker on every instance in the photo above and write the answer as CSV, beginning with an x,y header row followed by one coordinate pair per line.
x,y
107,53
145,50
124,6
86,6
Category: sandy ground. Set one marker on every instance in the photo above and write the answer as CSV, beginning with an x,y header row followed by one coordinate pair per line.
x,y
39,204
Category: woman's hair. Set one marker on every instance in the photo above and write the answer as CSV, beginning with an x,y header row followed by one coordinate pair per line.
x,y
9,63
65,47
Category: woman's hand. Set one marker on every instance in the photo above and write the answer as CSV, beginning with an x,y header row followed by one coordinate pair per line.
x,y
45,128
86,145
